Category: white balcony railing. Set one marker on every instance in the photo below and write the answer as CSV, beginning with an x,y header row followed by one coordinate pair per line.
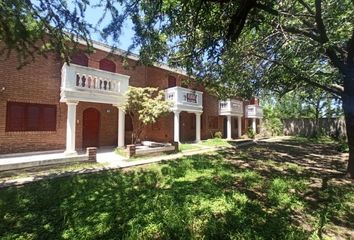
x,y
231,107
185,99
93,85
254,111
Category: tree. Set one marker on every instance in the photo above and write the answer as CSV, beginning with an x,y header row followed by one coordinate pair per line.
x,y
32,28
242,46
247,45
144,106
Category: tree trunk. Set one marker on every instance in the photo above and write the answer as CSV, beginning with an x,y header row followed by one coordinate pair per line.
x,y
349,121
317,116
348,108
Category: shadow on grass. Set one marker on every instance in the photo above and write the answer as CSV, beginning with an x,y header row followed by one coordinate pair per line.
x,y
227,195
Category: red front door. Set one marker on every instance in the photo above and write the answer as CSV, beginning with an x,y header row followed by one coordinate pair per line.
x,y
91,126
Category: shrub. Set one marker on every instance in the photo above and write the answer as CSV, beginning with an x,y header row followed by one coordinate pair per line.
x,y
218,134
342,146
250,132
274,126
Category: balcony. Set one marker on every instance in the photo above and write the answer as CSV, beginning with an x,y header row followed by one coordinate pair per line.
x,y
185,99
254,111
231,107
80,83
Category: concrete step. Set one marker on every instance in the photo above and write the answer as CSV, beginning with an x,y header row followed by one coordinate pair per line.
x,y
26,161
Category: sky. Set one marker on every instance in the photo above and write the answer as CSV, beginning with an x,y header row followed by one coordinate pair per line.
x,y
94,14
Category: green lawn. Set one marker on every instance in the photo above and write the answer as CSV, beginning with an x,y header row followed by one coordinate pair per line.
x,y
265,191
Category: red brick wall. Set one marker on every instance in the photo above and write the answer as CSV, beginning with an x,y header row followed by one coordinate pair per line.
x,y
39,82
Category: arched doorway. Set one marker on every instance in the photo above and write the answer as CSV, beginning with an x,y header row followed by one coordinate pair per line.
x,y
91,128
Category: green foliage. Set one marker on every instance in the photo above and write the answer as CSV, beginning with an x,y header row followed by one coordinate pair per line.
x,y
272,121
216,142
218,134
343,146
251,133
145,106
32,28
121,151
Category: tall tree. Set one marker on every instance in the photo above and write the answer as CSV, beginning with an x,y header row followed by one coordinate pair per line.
x,y
240,45
31,28
246,45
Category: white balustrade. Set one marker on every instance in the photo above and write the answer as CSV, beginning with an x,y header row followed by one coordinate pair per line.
x,y
231,107
93,85
254,111
185,99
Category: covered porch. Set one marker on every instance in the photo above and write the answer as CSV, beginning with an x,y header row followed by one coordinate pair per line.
x,y
232,109
84,84
187,100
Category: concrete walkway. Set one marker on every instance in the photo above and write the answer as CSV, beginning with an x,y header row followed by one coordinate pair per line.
x,y
109,160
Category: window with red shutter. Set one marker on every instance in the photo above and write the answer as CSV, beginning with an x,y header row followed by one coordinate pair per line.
x,y
107,65
80,59
172,81
15,117
30,117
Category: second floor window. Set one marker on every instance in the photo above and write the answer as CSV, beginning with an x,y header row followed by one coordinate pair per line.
x,y
107,65
80,59
172,81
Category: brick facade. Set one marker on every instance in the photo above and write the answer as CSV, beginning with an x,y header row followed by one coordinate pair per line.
x,y
39,82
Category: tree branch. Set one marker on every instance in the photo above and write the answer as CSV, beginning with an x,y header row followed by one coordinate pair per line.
x,y
308,8
333,89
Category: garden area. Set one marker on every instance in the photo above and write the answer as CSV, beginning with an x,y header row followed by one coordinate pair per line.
x,y
289,189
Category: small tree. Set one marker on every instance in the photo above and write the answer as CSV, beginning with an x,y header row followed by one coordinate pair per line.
x,y
144,106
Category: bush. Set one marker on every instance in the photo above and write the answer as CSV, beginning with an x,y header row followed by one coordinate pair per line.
x,y
250,132
274,126
218,134
342,146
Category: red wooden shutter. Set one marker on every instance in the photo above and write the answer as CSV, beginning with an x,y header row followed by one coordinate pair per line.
x,y
49,114
15,116
80,59
107,65
172,82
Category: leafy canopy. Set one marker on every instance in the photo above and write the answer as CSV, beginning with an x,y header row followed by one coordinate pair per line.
x,y
145,106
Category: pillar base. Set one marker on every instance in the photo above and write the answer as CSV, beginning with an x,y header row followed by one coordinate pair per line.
x,y
69,153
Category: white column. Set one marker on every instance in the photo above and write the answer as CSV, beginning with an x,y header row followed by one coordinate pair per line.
x,y
71,128
176,126
197,127
254,125
121,127
229,128
239,126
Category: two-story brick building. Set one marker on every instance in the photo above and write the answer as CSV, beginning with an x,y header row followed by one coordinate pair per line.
x,y
49,104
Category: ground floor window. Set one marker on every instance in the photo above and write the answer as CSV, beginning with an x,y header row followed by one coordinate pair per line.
x,y
30,117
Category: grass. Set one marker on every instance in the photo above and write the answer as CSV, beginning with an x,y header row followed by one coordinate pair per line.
x,y
188,146
216,142
264,191
121,151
